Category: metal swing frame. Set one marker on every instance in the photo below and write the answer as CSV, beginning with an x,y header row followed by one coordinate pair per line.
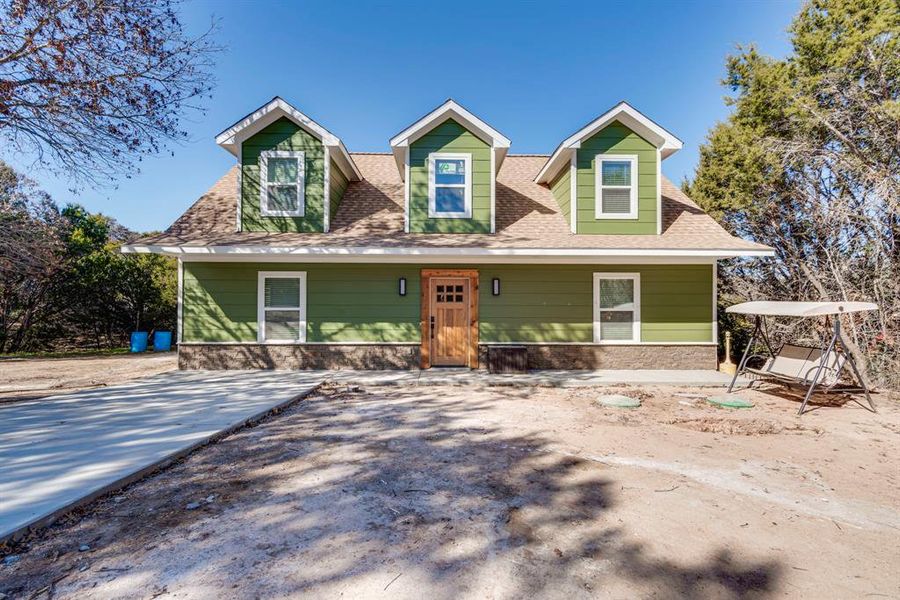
x,y
835,344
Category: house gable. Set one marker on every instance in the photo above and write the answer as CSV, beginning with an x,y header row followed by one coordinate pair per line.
x,y
477,134
450,139
619,141
611,162
285,136
280,131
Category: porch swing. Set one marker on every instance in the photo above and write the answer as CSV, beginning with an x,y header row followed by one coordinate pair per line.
x,y
795,365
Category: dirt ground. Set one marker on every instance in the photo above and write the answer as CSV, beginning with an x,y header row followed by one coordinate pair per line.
x,y
28,378
462,492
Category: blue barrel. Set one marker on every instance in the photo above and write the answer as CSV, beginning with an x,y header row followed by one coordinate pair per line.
x,y
139,341
162,341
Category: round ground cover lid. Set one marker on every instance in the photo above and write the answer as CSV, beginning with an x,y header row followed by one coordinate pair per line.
x,y
730,401
619,401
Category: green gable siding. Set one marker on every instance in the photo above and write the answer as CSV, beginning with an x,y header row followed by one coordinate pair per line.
x,y
337,186
283,134
450,136
360,303
562,191
615,138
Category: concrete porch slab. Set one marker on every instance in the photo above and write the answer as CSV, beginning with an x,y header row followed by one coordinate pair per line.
x,y
547,378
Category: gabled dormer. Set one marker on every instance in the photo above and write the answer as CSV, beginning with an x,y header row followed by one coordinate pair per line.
x,y
448,161
292,171
606,176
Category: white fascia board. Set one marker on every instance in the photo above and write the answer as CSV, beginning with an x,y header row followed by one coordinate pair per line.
x,y
346,164
449,109
231,138
665,141
456,255
498,156
441,113
401,153
268,114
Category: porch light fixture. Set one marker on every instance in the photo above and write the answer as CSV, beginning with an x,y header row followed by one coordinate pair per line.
x,y
403,286
495,286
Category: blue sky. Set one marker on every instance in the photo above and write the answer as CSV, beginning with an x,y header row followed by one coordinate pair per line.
x,y
535,71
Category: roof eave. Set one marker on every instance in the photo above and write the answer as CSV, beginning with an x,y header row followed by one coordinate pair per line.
x,y
432,254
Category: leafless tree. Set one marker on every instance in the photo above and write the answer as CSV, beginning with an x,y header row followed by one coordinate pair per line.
x,y
88,86
31,258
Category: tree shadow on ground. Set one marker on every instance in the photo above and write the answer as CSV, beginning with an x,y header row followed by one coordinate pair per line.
x,y
349,488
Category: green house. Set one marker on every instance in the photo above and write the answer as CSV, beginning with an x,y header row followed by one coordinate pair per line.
x,y
305,255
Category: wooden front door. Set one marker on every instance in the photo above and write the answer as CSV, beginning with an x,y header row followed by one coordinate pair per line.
x,y
449,317
449,321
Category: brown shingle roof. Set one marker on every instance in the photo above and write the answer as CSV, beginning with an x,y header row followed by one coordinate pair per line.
x,y
371,215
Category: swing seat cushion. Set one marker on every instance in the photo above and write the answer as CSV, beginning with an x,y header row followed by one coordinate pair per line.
x,y
795,363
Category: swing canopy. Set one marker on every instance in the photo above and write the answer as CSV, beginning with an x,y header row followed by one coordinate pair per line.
x,y
773,308
797,365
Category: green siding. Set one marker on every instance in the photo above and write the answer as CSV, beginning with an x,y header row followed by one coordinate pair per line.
x,y
562,191
283,134
450,136
337,186
555,304
615,138
360,303
345,303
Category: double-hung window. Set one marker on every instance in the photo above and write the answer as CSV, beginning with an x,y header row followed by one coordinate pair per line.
x,y
616,187
449,185
281,183
281,306
617,308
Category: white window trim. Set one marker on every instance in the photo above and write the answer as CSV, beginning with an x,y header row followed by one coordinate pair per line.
x,y
598,187
636,334
239,225
264,157
261,305
432,212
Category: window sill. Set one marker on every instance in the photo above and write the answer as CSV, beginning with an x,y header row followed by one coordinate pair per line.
x,y
283,214
449,216
616,216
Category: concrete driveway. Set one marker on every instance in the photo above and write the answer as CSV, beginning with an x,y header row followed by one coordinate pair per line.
x,y
62,450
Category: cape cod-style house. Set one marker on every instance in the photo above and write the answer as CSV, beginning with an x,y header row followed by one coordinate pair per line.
x,y
307,255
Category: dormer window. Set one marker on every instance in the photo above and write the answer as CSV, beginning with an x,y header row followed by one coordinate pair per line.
x,y
450,185
282,175
616,187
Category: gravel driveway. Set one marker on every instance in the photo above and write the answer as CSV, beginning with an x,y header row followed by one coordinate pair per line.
x,y
468,492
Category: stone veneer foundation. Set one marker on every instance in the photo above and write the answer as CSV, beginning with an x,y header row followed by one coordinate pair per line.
x,y
406,356
638,356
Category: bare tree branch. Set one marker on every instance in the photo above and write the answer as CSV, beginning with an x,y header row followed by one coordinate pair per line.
x,y
92,85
